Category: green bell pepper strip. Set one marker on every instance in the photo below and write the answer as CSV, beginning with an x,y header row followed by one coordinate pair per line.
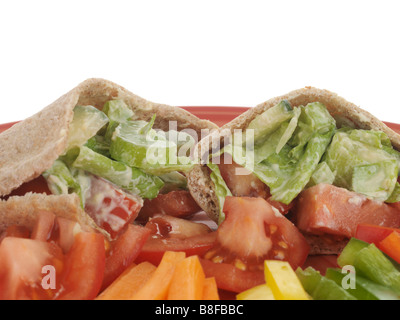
x,y
320,287
370,263
364,289
348,254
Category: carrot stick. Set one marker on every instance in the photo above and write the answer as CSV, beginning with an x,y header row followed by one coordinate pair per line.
x,y
210,290
131,280
156,288
188,280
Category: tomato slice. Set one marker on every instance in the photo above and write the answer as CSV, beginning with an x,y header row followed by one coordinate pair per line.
x,y
64,232
124,251
325,208
111,208
373,233
165,226
178,203
243,183
43,226
21,265
154,249
84,267
240,181
230,278
253,232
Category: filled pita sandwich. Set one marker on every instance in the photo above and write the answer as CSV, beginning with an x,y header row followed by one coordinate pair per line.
x,y
324,163
95,143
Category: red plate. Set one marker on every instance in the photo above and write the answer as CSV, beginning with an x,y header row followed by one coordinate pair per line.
x,y
218,115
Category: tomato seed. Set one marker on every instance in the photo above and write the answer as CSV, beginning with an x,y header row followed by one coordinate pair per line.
x,y
240,264
217,259
273,228
283,244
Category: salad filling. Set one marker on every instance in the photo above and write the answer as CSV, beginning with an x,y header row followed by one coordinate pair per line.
x,y
114,163
298,148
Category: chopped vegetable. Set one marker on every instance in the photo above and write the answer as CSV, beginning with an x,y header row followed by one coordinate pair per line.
x,y
188,280
321,288
283,281
254,231
363,163
87,121
124,250
210,289
130,179
371,263
177,203
83,270
391,245
156,288
364,289
130,281
142,147
230,278
260,292
221,189
373,233
271,119
348,254
329,209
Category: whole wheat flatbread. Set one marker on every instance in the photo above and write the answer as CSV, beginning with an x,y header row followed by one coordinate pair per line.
x,y
345,113
30,147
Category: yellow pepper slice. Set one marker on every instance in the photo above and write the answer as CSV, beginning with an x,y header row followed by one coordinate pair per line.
x,y
261,292
283,281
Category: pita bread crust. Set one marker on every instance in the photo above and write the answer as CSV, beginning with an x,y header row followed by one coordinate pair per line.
x,y
22,210
30,147
344,112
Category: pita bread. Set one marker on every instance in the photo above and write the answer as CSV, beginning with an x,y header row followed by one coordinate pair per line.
x,y
345,113
31,146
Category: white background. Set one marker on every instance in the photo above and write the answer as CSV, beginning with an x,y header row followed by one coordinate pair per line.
x,y
229,53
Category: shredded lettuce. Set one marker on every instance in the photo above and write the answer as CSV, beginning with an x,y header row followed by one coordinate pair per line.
x,y
221,189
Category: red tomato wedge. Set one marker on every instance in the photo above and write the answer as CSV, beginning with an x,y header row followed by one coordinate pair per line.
x,y
84,267
253,232
230,278
177,203
328,209
154,249
165,226
372,233
64,233
124,250
240,181
243,183
111,208
44,226
21,266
